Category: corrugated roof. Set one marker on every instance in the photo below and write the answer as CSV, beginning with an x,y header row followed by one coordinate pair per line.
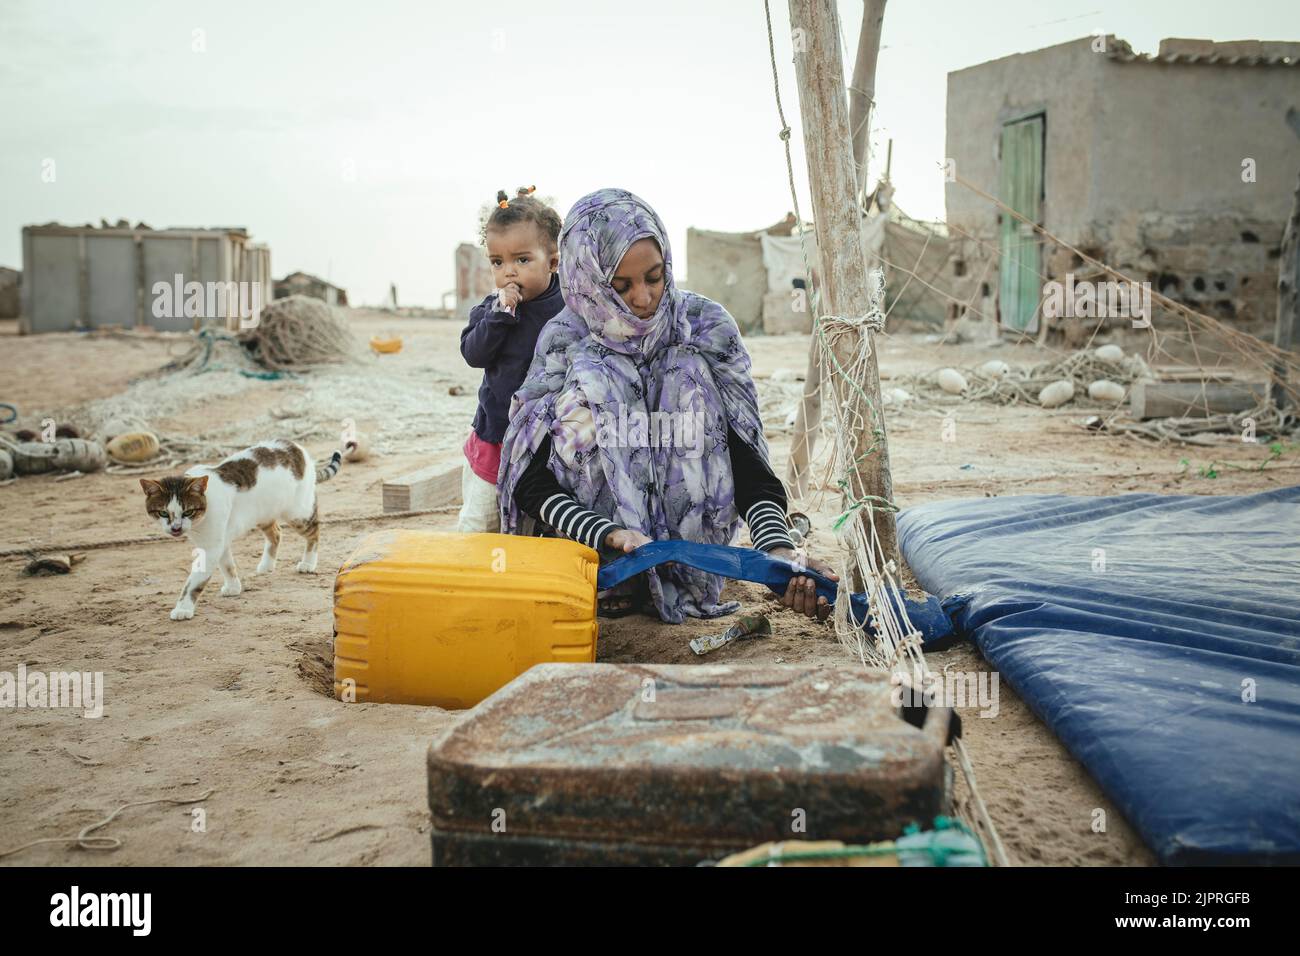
x,y
1122,51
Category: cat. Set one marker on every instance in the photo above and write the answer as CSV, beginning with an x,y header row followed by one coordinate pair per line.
x,y
213,505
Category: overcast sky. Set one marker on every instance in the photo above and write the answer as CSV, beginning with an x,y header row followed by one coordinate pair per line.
x,y
360,139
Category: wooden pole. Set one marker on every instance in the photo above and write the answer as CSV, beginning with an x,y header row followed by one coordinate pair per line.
x,y
808,418
862,92
833,183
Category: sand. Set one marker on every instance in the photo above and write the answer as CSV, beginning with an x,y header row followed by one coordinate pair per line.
x,y
237,700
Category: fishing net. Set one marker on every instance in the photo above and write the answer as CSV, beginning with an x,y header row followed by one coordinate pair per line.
x,y
300,332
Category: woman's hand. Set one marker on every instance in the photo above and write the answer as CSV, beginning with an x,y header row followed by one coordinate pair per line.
x,y
801,593
620,539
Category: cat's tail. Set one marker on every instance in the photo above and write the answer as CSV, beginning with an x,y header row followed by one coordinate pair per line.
x,y
331,468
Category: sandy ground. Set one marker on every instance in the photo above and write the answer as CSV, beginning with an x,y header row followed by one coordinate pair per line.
x,y
237,700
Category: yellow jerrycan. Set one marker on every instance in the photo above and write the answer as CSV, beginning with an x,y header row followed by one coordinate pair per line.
x,y
423,617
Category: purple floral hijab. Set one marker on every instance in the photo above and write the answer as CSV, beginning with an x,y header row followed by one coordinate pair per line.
x,y
637,409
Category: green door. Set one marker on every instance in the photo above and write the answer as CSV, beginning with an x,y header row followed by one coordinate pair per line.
x,y
1021,189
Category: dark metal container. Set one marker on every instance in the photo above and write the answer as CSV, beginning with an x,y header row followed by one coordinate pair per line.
x,y
606,764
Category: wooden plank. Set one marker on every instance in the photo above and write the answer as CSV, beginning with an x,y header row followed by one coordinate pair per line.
x,y
433,487
1192,373
1192,399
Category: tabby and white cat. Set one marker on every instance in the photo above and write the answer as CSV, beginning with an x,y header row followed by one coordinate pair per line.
x,y
214,505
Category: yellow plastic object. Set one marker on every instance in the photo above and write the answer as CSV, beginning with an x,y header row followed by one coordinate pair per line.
x,y
133,447
386,345
422,617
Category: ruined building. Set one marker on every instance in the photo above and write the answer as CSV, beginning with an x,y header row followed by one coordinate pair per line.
x,y
1177,169
303,283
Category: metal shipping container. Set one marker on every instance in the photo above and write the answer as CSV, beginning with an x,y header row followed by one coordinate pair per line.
x,y
83,277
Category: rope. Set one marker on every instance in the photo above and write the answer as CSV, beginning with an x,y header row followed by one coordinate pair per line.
x,y
85,841
154,539
906,646
981,814
873,321
299,332
775,856
778,853
893,641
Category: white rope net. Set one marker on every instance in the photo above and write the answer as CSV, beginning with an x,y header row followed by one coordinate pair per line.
x,y
891,640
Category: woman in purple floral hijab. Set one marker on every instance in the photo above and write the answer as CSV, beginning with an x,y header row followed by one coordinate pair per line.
x,y
638,419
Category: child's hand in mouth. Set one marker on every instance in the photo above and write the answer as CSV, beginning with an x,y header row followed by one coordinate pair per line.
x,y
509,296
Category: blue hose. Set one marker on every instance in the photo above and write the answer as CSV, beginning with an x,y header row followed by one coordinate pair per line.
x,y
13,413
745,564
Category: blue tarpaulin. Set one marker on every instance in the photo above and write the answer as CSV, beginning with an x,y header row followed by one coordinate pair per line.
x,y
745,564
1158,637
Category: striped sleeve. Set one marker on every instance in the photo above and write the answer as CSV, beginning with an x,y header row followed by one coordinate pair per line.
x,y
574,521
767,526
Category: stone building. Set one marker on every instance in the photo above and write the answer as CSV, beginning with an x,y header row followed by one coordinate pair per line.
x,y
1176,168
758,276
304,283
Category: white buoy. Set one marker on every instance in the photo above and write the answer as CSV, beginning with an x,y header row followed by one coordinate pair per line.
x,y
1106,391
995,368
6,465
897,396
1109,353
1058,393
951,381
358,449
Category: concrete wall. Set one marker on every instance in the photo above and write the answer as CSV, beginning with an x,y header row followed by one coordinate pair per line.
x,y
1062,83
727,267
1168,201
10,294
